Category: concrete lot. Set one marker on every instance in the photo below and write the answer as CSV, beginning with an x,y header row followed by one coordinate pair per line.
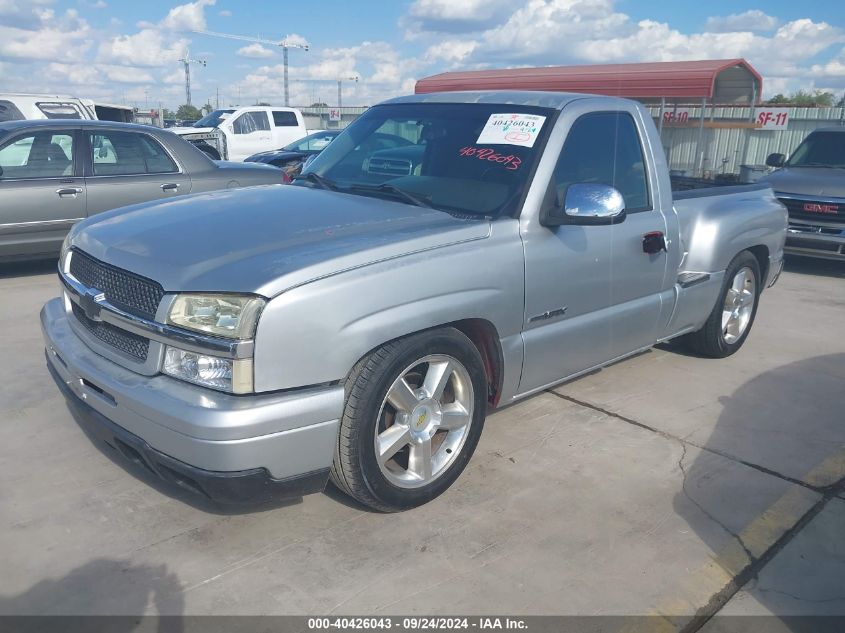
x,y
665,484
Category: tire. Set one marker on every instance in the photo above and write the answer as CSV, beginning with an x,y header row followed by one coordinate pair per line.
x,y
714,340
376,401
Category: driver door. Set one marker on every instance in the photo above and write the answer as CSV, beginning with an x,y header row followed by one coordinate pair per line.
x,y
591,293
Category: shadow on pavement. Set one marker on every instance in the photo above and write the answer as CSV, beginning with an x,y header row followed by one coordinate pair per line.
x,y
789,423
28,268
813,266
100,587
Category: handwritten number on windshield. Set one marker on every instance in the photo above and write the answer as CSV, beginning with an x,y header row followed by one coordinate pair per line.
x,y
507,161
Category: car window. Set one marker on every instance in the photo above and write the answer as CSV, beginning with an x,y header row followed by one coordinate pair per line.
x,y
57,110
283,118
128,153
250,122
468,158
46,154
604,147
820,149
9,112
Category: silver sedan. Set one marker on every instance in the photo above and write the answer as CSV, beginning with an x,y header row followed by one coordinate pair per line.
x,y
54,173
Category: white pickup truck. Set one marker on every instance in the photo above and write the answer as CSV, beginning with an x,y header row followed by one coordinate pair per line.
x,y
235,133
16,106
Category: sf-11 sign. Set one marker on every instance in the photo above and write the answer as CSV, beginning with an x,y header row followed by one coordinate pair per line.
x,y
771,118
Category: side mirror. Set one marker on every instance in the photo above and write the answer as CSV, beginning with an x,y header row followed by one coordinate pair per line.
x,y
586,204
775,160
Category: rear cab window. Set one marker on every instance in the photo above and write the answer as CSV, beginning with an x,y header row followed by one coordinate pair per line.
x,y
285,118
59,110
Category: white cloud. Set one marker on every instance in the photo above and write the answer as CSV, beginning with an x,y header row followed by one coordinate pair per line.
x,y
593,31
753,20
255,51
94,4
295,39
381,70
147,47
53,37
225,13
187,17
454,16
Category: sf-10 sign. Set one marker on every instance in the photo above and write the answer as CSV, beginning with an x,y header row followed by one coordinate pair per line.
x,y
771,118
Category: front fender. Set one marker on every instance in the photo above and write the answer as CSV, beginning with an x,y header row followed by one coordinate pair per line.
x,y
315,333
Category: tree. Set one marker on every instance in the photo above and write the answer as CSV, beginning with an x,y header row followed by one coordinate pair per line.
x,y
319,104
167,114
207,108
262,103
188,112
804,98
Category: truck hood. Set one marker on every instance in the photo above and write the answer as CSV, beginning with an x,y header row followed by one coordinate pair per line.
x,y
264,239
808,181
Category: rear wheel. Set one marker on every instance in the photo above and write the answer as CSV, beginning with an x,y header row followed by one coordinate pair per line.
x,y
729,323
414,412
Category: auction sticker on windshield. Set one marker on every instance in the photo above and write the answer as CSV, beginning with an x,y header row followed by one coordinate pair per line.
x,y
511,129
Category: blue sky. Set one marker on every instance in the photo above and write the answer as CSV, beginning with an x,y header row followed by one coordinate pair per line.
x,y
127,52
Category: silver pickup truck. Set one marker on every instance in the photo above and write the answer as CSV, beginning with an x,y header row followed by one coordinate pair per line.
x,y
358,325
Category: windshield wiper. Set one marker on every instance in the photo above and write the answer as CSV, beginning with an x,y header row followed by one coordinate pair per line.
x,y
396,192
317,179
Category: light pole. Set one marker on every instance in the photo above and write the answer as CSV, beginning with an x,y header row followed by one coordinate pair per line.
x,y
340,88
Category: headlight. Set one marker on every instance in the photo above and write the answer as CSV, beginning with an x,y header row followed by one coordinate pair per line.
x,y
234,376
63,253
231,316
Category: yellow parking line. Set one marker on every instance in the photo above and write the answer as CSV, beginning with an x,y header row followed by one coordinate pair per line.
x,y
699,587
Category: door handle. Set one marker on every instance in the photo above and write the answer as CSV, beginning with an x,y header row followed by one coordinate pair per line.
x,y
69,191
654,242
170,186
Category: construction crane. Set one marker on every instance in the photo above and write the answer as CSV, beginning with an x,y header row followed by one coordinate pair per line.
x,y
187,61
283,44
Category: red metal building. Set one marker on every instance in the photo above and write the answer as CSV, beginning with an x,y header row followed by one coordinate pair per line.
x,y
725,81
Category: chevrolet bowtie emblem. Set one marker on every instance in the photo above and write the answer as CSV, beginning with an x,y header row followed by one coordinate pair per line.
x,y
90,304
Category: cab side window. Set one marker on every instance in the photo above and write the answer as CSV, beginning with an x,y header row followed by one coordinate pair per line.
x,y
250,122
605,148
38,155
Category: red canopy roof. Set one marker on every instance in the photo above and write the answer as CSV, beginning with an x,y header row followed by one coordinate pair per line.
x,y
693,79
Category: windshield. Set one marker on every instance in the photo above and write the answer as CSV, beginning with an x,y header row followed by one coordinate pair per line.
x,y
212,119
312,143
468,158
820,149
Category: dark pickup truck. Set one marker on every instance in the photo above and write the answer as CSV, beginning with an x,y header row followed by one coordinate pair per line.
x,y
811,184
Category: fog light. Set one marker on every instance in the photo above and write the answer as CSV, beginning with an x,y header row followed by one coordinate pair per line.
x,y
234,376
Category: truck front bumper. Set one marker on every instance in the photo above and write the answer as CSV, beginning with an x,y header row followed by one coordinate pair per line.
x,y
816,240
229,449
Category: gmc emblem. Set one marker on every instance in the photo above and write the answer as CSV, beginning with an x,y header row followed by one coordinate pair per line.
x,y
814,207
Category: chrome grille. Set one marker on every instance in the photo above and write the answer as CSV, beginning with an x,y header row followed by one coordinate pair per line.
x,y
130,344
814,210
134,294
